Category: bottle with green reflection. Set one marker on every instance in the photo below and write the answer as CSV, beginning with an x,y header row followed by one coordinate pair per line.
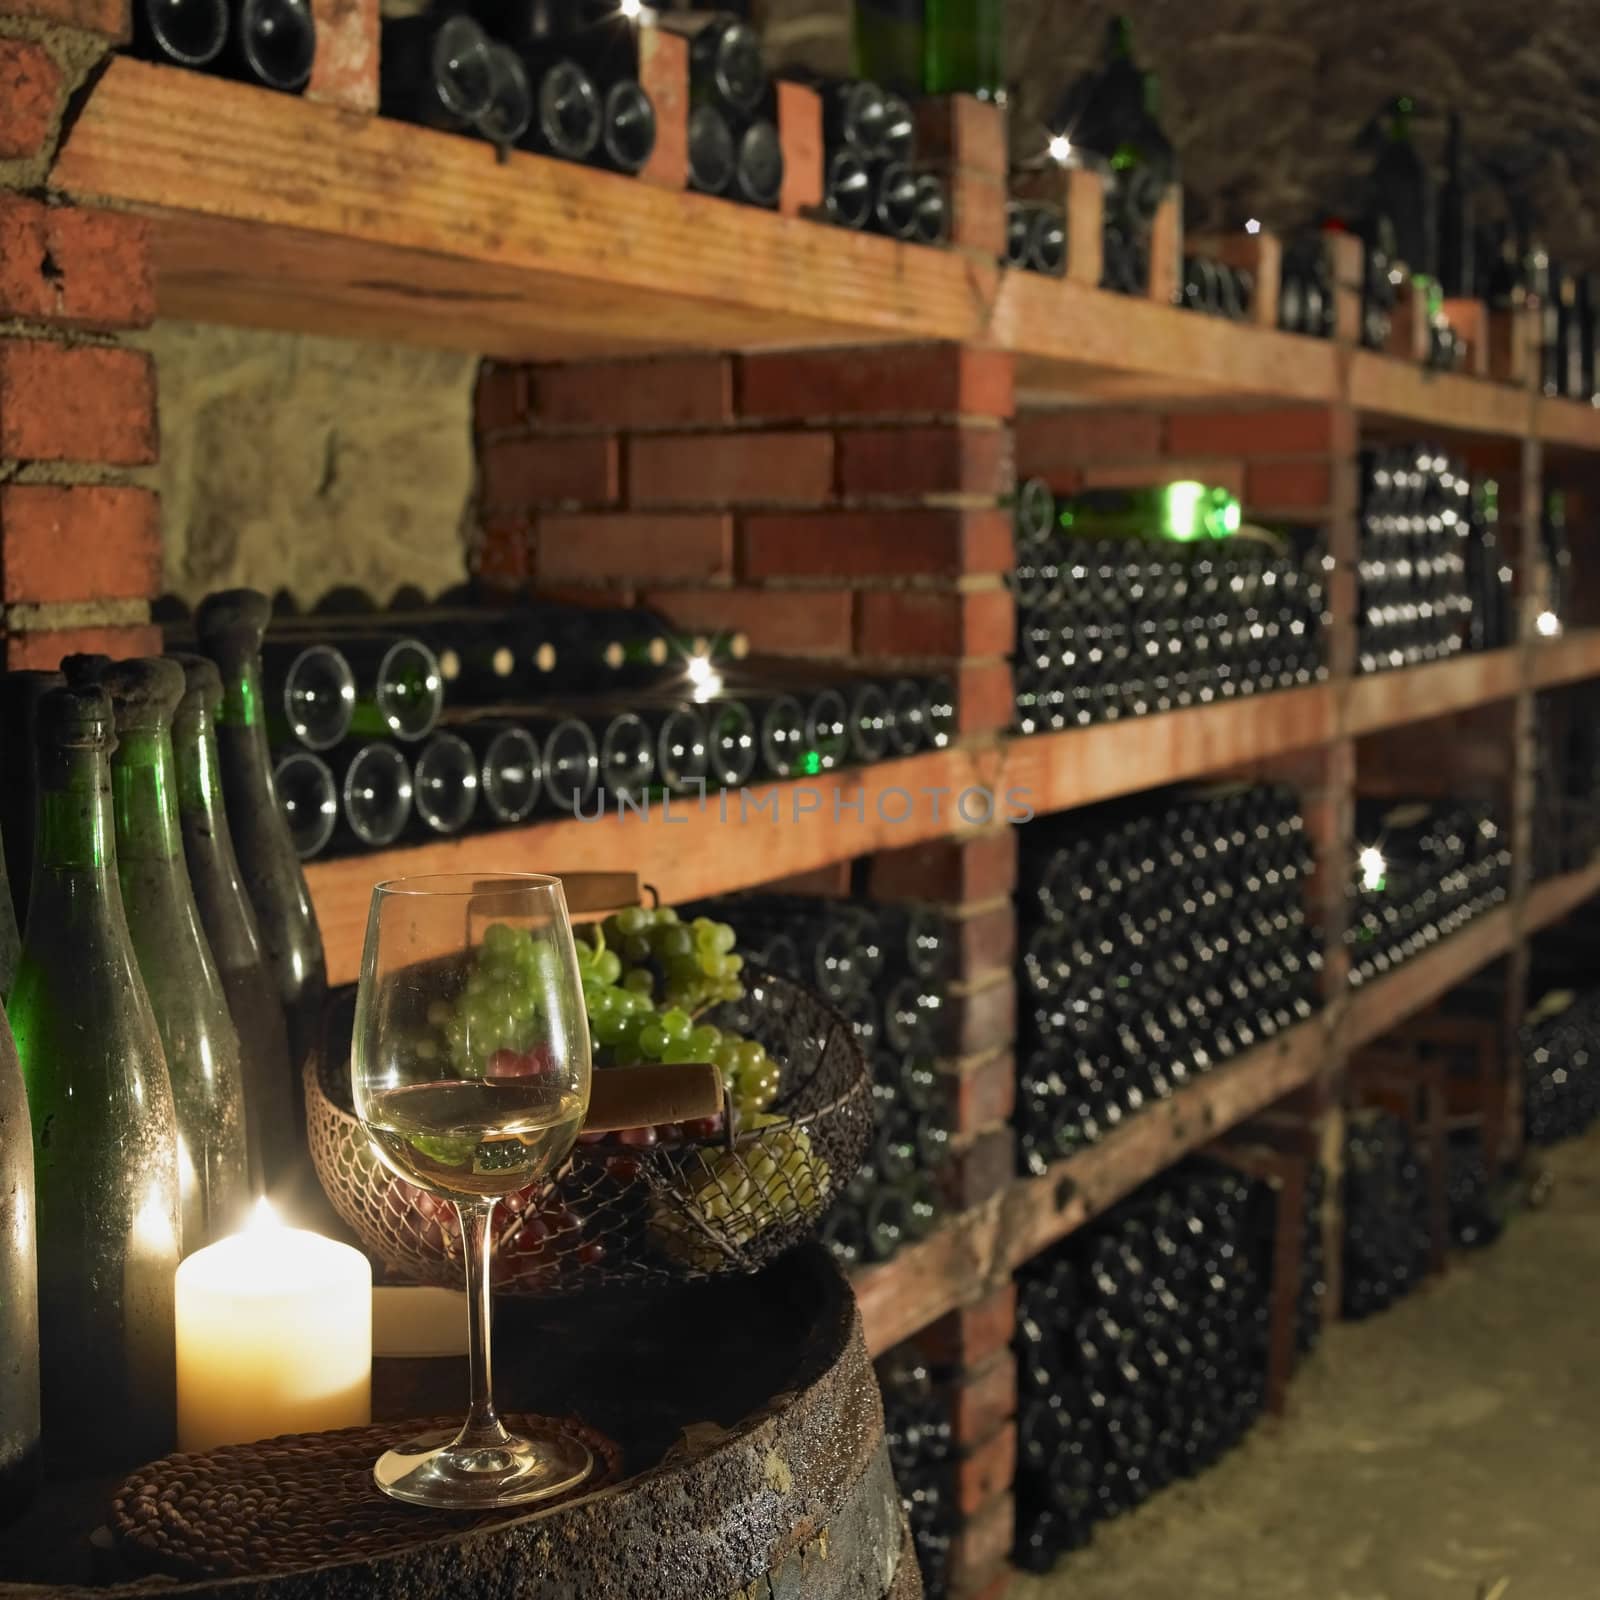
x,y
964,48
230,626
197,1033
105,1147
888,44
1180,513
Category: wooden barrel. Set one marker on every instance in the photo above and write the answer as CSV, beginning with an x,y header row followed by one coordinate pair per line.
x,y
754,1462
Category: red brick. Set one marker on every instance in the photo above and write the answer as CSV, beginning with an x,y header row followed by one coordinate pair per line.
x,y
987,1471
985,1019
1284,431
502,556
78,544
980,1549
83,404
875,544
108,17
985,697
345,71
1288,485
501,399
948,871
731,469
42,651
521,474
673,392
901,380
808,622
935,622
985,942
1227,475
966,1338
664,72
800,125
982,1402
981,1095
915,461
633,547
1055,445
87,269
957,130
30,88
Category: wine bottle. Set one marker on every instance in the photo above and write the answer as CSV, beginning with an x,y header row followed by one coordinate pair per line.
x,y
854,115
847,191
726,70
781,735
186,33
1019,220
827,732
84,669
964,48
373,782
1046,249
732,742
567,110
19,1291
435,70
399,686
627,753
198,1037
1401,190
888,44
1458,259
105,1143
20,693
711,151
272,43
510,768
230,626
627,127
758,164
444,785
309,799
276,1160
505,120
931,219
571,760
894,200
310,693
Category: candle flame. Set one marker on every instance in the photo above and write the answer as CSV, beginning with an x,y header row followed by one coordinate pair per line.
x,y
264,1217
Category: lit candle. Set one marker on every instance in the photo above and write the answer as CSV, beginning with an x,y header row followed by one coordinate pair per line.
x,y
274,1336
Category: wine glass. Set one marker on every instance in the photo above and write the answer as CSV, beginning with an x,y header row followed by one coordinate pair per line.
x,y
470,1066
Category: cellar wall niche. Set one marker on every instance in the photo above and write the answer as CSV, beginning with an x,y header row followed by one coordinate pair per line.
x,y
298,462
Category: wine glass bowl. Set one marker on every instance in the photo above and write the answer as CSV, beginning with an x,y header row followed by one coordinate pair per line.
x,y
470,1071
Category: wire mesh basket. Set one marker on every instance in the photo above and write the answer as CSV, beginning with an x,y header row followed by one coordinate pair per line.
x,y
624,1211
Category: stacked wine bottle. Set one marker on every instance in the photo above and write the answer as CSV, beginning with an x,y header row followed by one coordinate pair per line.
x,y
1312,1311
882,968
398,725
1566,775
916,1423
1306,288
1434,579
1560,1047
1036,238
1131,602
871,180
1423,870
1159,938
1217,289
270,43
1141,1353
1386,1240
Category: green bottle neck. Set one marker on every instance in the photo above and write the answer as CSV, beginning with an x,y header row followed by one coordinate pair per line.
x,y
194,755
241,697
142,785
75,829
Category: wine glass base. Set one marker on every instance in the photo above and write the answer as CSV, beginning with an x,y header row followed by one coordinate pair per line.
x,y
434,1471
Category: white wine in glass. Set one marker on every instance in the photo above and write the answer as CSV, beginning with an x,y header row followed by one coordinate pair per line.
x,y
470,1068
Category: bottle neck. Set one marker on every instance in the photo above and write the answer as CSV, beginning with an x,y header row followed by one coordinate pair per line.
x,y
194,755
75,834
146,812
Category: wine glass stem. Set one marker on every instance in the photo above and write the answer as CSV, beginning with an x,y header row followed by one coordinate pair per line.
x,y
483,1428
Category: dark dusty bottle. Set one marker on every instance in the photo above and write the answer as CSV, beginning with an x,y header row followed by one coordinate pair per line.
x,y
105,1142
1457,236
230,625
1401,189
272,43
964,48
10,934
887,43
230,929
187,33
20,693
197,1033
19,1291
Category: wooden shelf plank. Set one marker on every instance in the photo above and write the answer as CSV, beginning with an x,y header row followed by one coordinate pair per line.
x,y
974,1253
1554,898
1379,1004
1567,424
1381,386
1377,700
1083,765
1568,659
686,849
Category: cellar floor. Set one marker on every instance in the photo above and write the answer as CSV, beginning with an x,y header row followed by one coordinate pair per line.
x,y
1448,1449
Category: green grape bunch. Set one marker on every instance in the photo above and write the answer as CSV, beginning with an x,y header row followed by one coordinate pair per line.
x,y
647,978
492,1028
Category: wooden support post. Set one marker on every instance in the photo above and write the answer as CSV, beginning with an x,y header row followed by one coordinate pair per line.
x,y
800,127
664,75
345,71
1166,249
1347,267
1470,319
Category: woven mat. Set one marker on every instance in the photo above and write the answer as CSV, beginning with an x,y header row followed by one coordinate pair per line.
x,y
302,1500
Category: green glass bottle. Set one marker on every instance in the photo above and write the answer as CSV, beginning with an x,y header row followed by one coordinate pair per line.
x,y
888,43
19,759
10,934
19,1291
105,1142
230,626
275,1148
197,1033
1181,513
964,48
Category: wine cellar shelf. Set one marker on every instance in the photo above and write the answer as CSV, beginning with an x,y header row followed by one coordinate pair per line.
x,y
273,211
